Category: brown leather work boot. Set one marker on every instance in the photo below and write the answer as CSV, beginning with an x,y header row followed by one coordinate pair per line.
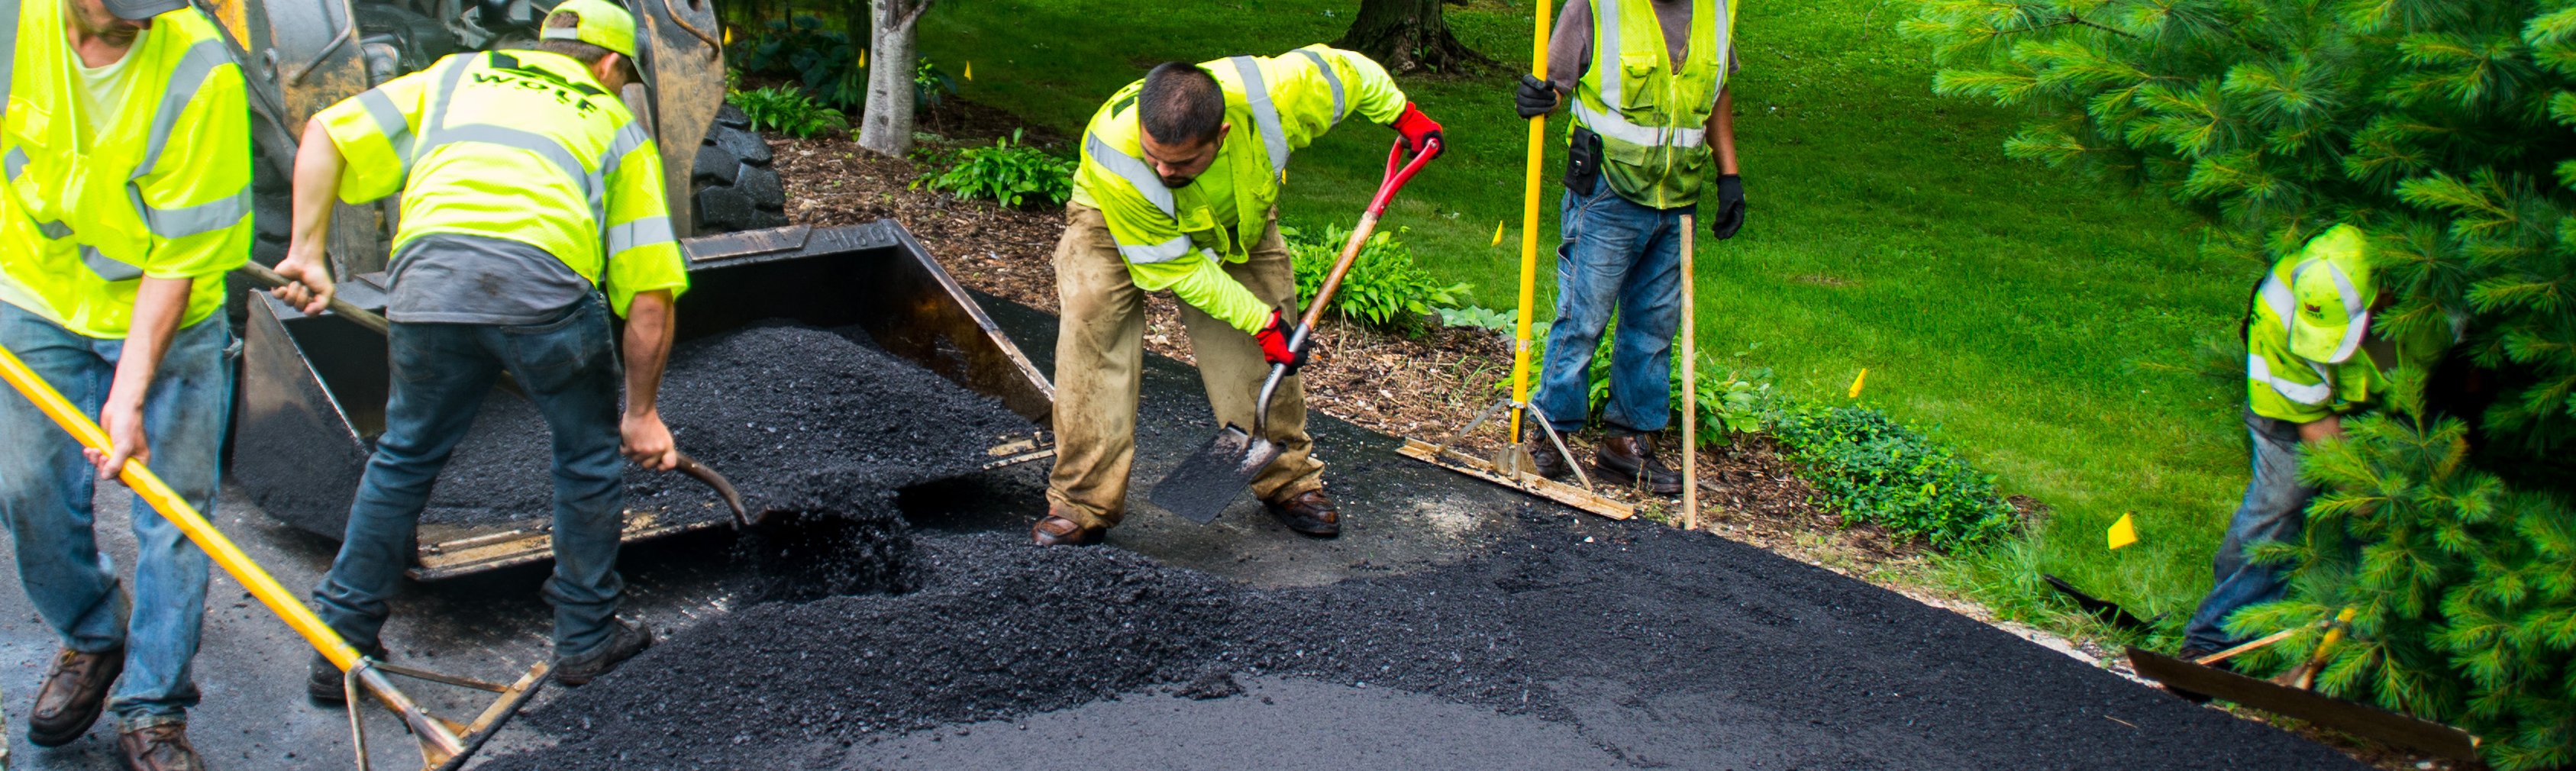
x,y
1544,458
1309,512
74,692
159,747
1630,457
1053,530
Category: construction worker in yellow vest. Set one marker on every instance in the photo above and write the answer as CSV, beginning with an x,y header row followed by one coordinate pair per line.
x,y
532,208
1653,133
127,158
1177,191
2311,358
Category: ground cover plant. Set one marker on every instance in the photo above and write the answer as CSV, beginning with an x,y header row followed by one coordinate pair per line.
x,y
1009,171
788,111
2442,128
1383,287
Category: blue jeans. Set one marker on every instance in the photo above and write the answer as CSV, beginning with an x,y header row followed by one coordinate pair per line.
x,y
1617,255
2275,509
441,372
45,490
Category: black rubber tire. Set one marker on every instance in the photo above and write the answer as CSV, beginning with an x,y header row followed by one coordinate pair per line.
x,y
732,185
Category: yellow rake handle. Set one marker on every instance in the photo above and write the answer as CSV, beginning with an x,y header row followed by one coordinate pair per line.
x,y
179,512
1529,230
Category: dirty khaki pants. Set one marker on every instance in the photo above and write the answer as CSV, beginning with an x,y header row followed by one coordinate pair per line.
x,y
1099,362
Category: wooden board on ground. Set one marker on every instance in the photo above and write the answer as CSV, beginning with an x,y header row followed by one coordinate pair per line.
x,y
1480,468
2357,719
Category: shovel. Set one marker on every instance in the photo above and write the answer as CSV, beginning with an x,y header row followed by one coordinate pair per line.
x,y
1202,486
365,318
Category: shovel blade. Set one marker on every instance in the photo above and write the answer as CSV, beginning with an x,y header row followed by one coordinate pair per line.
x,y
1204,484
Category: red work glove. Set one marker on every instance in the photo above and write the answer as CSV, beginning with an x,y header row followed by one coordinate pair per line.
x,y
1416,128
1273,338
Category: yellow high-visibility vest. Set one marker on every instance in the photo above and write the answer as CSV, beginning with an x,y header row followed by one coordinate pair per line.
x,y
1652,119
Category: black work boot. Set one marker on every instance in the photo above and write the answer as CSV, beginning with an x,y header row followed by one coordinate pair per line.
x,y
322,680
75,691
1630,457
623,643
1544,458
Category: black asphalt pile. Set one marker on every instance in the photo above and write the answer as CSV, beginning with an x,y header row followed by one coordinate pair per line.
x,y
800,419
1664,648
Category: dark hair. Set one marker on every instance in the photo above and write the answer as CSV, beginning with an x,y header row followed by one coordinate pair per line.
x,y
586,53
1181,103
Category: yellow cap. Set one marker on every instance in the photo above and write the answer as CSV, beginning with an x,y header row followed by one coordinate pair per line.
x,y
602,24
2334,288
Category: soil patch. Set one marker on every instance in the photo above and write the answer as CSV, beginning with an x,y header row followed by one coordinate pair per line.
x,y
800,419
1667,648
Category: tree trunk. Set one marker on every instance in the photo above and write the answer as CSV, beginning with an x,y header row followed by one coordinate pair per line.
x,y
885,128
1409,36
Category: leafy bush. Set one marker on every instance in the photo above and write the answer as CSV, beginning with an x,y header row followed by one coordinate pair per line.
x,y
1009,171
2465,589
1730,404
1384,288
823,60
1480,317
2440,126
1871,469
785,110
930,85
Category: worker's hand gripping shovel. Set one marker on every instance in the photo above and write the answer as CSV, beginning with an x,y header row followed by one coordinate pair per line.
x,y
444,744
1202,485
365,318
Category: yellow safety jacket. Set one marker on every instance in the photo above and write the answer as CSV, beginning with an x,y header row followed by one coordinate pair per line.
x,y
1174,239
162,190
517,145
1653,121
2286,386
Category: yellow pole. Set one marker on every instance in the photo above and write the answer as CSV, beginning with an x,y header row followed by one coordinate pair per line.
x,y
1529,222
179,512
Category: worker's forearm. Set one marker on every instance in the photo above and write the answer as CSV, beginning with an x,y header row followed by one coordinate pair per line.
x,y
2321,429
158,305
317,185
1721,130
649,325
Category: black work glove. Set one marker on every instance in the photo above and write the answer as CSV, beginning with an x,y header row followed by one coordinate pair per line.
x,y
1533,97
1730,207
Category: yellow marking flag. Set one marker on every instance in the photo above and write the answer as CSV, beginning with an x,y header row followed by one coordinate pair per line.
x,y
863,57
2125,531
1498,233
970,70
1855,389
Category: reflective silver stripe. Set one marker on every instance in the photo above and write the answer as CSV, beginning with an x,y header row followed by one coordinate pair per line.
x,y
55,230
644,232
447,83
185,221
1330,78
2260,372
1612,125
519,139
8,52
389,121
1256,94
194,67
2354,322
629,137
1163,252
1133,169
15,162
106,267
2276,295
1609,77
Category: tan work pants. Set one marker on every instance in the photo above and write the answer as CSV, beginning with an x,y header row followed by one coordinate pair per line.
x,y
1099,362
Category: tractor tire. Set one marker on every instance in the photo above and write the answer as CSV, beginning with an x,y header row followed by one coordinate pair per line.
x,y
733,186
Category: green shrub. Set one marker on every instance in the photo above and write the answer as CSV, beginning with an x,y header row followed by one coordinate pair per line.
x,y
785,110
1009,172
1480,317
1871,469
1384,287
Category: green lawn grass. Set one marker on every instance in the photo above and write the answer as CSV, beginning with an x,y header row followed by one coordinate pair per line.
x,y
2034,317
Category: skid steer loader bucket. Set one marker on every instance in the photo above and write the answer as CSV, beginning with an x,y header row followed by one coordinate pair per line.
x,y
313,388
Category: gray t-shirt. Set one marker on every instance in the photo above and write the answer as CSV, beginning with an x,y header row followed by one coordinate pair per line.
x,y
449,278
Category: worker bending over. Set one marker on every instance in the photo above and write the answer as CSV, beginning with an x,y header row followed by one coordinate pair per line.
x,y
128,171
1177,191
528,192
2310,359
1650,100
